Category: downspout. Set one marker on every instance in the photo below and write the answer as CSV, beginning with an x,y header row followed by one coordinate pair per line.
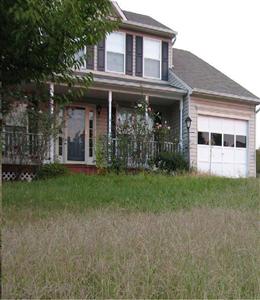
x,y
174,40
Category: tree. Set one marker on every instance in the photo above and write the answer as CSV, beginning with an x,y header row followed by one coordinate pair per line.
x,y
39,38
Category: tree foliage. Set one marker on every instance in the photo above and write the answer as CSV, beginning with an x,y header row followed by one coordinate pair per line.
x,y
39,38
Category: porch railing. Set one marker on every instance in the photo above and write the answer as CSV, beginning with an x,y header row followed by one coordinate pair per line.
x,y
24,148
138,153
29,148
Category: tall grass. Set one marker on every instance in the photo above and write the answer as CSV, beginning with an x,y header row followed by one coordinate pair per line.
x,y
131,237
201,253
141,192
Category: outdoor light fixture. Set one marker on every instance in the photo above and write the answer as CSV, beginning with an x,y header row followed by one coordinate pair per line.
x,y
99,108
188,122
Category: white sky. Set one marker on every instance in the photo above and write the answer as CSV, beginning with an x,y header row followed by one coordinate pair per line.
x,y
225,33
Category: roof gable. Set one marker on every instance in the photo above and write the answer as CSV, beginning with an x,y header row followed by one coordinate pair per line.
x,y
143,19
200,75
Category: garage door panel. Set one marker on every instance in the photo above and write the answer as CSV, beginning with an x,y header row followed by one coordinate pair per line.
x,y
204,167
203,153
228,155
241,156
216,169
216,154
228,170
240,170
230,159
229,126
215,125
240,127
203,124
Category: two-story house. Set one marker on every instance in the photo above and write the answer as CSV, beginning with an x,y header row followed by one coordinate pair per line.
x,y
139,62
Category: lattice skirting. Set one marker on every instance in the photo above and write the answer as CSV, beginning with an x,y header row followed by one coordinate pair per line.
x,y
11,172
24,176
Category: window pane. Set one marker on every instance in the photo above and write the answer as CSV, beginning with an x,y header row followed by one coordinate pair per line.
x,y
216,139
115,62
203,138
152,68
116,42
152,49
241,141
79,56
60,145
229,140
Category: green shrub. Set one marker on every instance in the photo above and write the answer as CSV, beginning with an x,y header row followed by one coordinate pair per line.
x,y
258,161
171,162
51,170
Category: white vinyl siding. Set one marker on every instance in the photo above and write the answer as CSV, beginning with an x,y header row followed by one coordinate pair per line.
x,y
115,52
152,58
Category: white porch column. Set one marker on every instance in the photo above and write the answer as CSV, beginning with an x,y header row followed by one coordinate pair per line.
x,y
110,96
181,125
51,103
146,109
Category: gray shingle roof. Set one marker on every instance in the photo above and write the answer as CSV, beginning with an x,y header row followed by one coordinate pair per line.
x,y
143,19
198,74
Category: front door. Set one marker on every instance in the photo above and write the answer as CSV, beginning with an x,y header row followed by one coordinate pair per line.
x,y
76,134
81,128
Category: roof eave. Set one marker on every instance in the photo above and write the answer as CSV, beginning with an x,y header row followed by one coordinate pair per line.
x,y
148,28
196,91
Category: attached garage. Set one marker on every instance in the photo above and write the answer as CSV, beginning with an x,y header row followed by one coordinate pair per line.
x,y
222,146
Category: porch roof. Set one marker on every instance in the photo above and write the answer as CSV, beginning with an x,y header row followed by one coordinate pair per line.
x,y
133,85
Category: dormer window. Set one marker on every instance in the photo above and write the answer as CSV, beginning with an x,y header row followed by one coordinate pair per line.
x,y
115,52
152,58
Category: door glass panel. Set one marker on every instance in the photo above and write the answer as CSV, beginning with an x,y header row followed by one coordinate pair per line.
x,y
229,140
203,138
91,135
241,141
216,139
76,134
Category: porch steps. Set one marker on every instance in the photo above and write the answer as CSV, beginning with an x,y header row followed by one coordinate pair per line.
x,y
84,169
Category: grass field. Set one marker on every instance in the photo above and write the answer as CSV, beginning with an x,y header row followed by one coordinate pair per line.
x,y
139,236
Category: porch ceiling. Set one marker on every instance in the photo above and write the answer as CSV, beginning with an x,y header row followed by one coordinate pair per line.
x,y
102,96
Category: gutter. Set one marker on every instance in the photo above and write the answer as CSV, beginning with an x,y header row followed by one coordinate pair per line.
x,y
225,95
258,110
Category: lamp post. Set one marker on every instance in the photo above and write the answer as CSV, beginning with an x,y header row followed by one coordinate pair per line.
x,y
188,125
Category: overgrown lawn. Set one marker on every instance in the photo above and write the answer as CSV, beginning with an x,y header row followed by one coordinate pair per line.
x,y
138,236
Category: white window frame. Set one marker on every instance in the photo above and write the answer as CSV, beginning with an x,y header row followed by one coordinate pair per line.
x,y
156,40
124,39
84,67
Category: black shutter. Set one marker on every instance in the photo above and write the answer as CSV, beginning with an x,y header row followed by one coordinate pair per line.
x,y
165,60
129,54
139,56
90,58
101,55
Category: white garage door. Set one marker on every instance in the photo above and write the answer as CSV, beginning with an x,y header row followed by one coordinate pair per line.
x,y
222,146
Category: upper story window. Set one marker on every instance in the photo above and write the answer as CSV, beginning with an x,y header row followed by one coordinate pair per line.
x,y
152,58
80,59
115,52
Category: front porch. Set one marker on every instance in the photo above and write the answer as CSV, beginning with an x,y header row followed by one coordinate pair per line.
x,y
97,116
